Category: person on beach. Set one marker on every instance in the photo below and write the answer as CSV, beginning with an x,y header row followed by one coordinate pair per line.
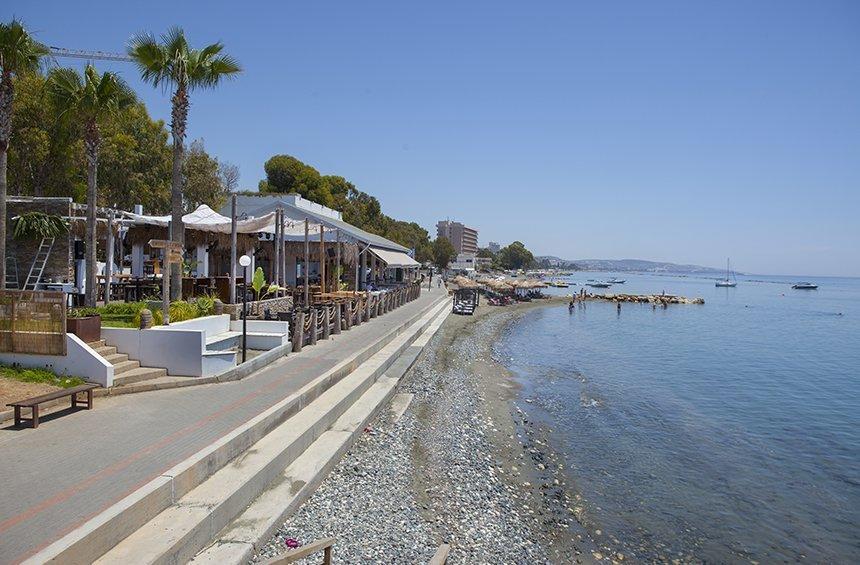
x,y
571,305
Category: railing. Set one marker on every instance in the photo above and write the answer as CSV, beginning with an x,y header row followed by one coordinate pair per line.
x,y
322,320
32,322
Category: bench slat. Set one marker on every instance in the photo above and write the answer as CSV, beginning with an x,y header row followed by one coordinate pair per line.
x,y
30,402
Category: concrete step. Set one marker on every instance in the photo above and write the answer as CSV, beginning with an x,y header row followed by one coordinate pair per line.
x,y
250,531
105,350
180,531
116,358
123,366
137,375
95,537
96,344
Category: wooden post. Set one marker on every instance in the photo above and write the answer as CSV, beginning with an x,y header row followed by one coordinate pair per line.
x,y
233,243
367,308
346,313
313,329
337,262
338,312
356,267
322,259
283,244
326,322
109,265
306,269
298,331
275,274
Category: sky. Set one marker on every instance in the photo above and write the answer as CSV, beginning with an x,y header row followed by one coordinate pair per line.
x,y
685,131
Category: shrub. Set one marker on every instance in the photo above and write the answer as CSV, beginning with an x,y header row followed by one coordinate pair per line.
x,y
205,305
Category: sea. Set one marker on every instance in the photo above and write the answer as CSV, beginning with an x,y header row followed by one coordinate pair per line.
x,y
723,432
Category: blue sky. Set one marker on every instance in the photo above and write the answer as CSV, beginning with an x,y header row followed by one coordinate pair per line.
x,y
682,131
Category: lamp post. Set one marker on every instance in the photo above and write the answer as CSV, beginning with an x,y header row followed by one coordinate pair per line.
x,y
244,261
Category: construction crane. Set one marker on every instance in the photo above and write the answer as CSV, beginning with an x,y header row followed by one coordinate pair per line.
x,y
88,55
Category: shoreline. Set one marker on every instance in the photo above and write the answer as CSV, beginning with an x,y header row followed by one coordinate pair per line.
x,y
463,465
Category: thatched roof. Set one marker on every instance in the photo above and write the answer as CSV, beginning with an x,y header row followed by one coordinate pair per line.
x,y
463,282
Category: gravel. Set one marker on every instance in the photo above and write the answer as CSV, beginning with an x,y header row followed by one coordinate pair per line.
x,y
434,476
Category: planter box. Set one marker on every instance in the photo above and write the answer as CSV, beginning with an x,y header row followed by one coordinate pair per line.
x,y
89,329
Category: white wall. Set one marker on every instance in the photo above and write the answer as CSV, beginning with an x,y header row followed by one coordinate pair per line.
x,y
80,360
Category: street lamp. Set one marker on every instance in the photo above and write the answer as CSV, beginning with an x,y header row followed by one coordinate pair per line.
x,y
245,261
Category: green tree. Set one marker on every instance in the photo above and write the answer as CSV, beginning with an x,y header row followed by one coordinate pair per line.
x,y
19,53
203,181
286,174
443,252
89,99
515,256
173,63
485,253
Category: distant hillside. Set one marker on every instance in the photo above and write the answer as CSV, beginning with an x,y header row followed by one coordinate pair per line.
x,y
621,265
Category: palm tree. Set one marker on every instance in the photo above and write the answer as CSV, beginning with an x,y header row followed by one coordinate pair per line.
x,y
171,63
89,99
19,53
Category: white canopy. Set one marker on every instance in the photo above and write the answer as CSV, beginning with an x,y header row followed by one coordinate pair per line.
x,y
205,218
394,258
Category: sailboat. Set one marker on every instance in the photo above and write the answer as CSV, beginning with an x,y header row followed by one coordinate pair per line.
x,y
726,282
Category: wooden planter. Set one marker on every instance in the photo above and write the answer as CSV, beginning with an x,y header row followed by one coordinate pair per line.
x,y
89,329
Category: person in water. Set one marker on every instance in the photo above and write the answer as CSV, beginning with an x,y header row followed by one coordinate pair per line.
x,y
571,305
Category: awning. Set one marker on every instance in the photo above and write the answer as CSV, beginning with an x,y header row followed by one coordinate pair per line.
x,y
205,218
394,259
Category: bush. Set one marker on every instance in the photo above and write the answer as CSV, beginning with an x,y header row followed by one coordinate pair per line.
x,y
205,305
181,311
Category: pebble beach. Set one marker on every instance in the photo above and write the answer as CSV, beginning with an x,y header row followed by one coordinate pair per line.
x,y
463,465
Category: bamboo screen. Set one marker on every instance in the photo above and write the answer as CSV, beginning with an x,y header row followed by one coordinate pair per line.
x,y
32,322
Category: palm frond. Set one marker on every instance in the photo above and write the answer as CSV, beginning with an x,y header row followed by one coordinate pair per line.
x,y
19,51
150,58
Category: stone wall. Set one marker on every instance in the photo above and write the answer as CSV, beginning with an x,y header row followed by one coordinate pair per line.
x,y
256,309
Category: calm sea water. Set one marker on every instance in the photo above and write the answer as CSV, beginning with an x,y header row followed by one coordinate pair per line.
x,y
723,432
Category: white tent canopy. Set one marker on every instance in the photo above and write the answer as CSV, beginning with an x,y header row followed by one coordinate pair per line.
x,y
394,259
205,218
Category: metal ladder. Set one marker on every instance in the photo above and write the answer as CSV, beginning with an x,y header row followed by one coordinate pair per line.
x,y
11,273
38,266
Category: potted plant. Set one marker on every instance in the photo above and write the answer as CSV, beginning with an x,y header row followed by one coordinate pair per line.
x,y
86,323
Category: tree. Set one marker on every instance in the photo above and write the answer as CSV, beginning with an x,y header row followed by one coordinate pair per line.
x,y
173,63
515,256
485,253
286,174
203,181
19,53
229,174
443,252
88,99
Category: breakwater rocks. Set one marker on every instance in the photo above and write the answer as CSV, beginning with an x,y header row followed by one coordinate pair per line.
x,y
659,299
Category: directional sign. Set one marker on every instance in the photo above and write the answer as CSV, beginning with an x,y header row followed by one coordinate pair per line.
x,y
175,257
165,244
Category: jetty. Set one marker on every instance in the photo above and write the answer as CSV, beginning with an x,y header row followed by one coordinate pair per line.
x,y
659,299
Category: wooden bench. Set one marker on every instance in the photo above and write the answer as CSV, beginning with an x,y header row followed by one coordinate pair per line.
x,y
33,403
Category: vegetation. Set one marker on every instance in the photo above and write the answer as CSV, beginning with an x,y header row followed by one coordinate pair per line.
x,y
443,252
19,54
127,314
38,225
515,256
286,174
89,99
172,63
28,375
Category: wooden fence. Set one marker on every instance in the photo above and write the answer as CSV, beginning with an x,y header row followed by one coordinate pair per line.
x,y
32,322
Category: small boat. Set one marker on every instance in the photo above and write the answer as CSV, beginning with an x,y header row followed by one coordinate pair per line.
x,y
613,280
558,284
805,286
599,284
727,282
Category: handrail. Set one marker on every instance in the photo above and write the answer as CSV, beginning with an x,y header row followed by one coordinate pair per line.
x,y
324,545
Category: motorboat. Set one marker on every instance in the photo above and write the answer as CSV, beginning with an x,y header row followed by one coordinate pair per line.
x,y
614,280
805,286
599,284
727,282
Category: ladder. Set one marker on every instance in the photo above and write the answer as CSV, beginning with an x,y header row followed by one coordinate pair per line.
x,y
34,277
11,273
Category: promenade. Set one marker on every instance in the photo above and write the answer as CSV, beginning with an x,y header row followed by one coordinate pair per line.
x,y
77,464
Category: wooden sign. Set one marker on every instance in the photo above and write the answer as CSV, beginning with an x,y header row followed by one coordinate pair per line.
x,y
165,244
175,257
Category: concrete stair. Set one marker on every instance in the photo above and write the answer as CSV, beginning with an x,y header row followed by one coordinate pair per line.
x,y
327,426
177,514
126,371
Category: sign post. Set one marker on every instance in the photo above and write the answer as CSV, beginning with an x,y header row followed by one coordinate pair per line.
x,y
172,254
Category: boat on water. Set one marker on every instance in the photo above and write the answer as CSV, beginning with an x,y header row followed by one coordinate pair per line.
x,y
614,280
805,286
728,282
558,283
599,284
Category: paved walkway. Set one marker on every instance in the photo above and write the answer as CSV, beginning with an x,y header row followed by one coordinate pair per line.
x,y
54,478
